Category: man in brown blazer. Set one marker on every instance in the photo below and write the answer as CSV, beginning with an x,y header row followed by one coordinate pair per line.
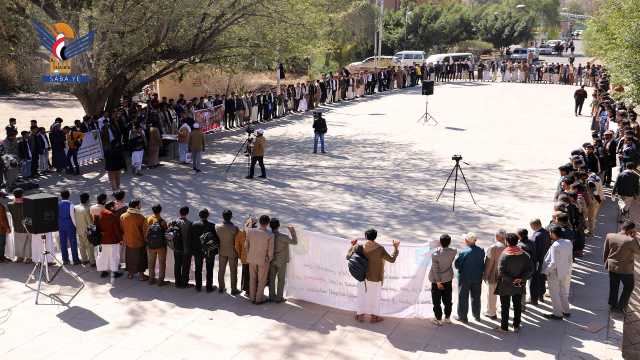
x,y
259,247
620,250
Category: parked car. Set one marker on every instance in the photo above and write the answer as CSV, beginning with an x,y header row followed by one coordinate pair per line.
x,y
410,58
546,49
519,54
370,63
449,58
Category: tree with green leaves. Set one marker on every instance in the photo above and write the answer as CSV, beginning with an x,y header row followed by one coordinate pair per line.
x,y
428,26
612,37
138,42
504,26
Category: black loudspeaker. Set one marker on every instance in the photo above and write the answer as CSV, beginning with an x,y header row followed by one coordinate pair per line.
x,y
41,211
427,87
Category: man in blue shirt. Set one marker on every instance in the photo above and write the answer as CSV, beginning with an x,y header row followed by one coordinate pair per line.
x,y
470,265
67,229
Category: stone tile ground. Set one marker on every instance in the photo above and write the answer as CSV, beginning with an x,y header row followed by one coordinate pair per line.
x,y
384,169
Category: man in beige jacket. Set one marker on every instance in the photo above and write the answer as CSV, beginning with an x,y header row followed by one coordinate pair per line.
x,y
196,146
257,154
83,219
490,275
259,247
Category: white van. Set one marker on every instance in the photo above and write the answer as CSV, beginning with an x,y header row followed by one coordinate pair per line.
x,y
450,58
410,58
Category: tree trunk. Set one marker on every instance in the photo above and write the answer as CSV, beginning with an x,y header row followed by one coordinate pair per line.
x,y
92,99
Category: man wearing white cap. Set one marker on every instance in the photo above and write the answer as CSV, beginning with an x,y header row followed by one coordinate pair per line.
x,y
257,154
196,146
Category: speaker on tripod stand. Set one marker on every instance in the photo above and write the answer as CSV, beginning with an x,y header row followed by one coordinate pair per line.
x,y
427,87
40,218
427,90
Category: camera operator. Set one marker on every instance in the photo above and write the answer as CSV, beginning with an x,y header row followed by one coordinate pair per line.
x,y
319,129
257,154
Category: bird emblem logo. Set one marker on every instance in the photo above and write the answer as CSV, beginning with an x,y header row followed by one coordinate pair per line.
x,y
61,42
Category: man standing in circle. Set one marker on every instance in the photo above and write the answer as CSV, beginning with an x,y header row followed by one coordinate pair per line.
x,y
257,154
319,129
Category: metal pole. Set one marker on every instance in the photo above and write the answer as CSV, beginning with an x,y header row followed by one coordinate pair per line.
x,y
380,28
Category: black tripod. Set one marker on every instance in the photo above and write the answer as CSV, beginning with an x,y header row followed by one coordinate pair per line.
x,y
456,168
245,145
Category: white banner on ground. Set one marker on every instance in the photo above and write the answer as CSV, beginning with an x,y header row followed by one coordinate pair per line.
x,y
91,148
318,273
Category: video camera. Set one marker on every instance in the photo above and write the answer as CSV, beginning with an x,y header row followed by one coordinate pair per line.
x,y
249,130
456,158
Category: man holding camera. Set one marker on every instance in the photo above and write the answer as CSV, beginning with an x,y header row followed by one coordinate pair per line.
x,y
257,154
319,129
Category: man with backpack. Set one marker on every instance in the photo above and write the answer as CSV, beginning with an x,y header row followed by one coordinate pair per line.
x,y
203,245
178,233
369,290
154,233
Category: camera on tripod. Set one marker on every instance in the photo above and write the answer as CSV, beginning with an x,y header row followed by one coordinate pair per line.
x,y
456,158
249,130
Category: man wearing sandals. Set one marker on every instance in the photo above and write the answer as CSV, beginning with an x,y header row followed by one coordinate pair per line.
x,y
369,290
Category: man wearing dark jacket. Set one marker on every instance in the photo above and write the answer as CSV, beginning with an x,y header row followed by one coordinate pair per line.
x,y
229,111
627,185
514,270
470,265
542,242
529,247
25,154
610,154
319,129
199,253
579,96
180,244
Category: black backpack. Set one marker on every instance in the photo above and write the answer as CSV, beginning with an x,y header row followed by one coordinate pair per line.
x,y
173,232
155,236
210,243
93,235
358,264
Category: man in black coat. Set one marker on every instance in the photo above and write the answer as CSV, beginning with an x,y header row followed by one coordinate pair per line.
x,y
579,96
323,92
542,242
627,185
25,154
610,147
195,249
229,111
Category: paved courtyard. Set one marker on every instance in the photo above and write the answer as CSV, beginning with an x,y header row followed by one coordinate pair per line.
x,y
384,169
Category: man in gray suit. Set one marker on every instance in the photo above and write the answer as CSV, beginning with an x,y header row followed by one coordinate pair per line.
x,y
620,250
227,234
278,267
259,247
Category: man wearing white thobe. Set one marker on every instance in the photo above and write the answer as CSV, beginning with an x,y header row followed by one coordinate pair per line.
x,y
557,266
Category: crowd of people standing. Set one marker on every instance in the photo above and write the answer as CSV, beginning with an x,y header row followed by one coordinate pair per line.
x,y
522,71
